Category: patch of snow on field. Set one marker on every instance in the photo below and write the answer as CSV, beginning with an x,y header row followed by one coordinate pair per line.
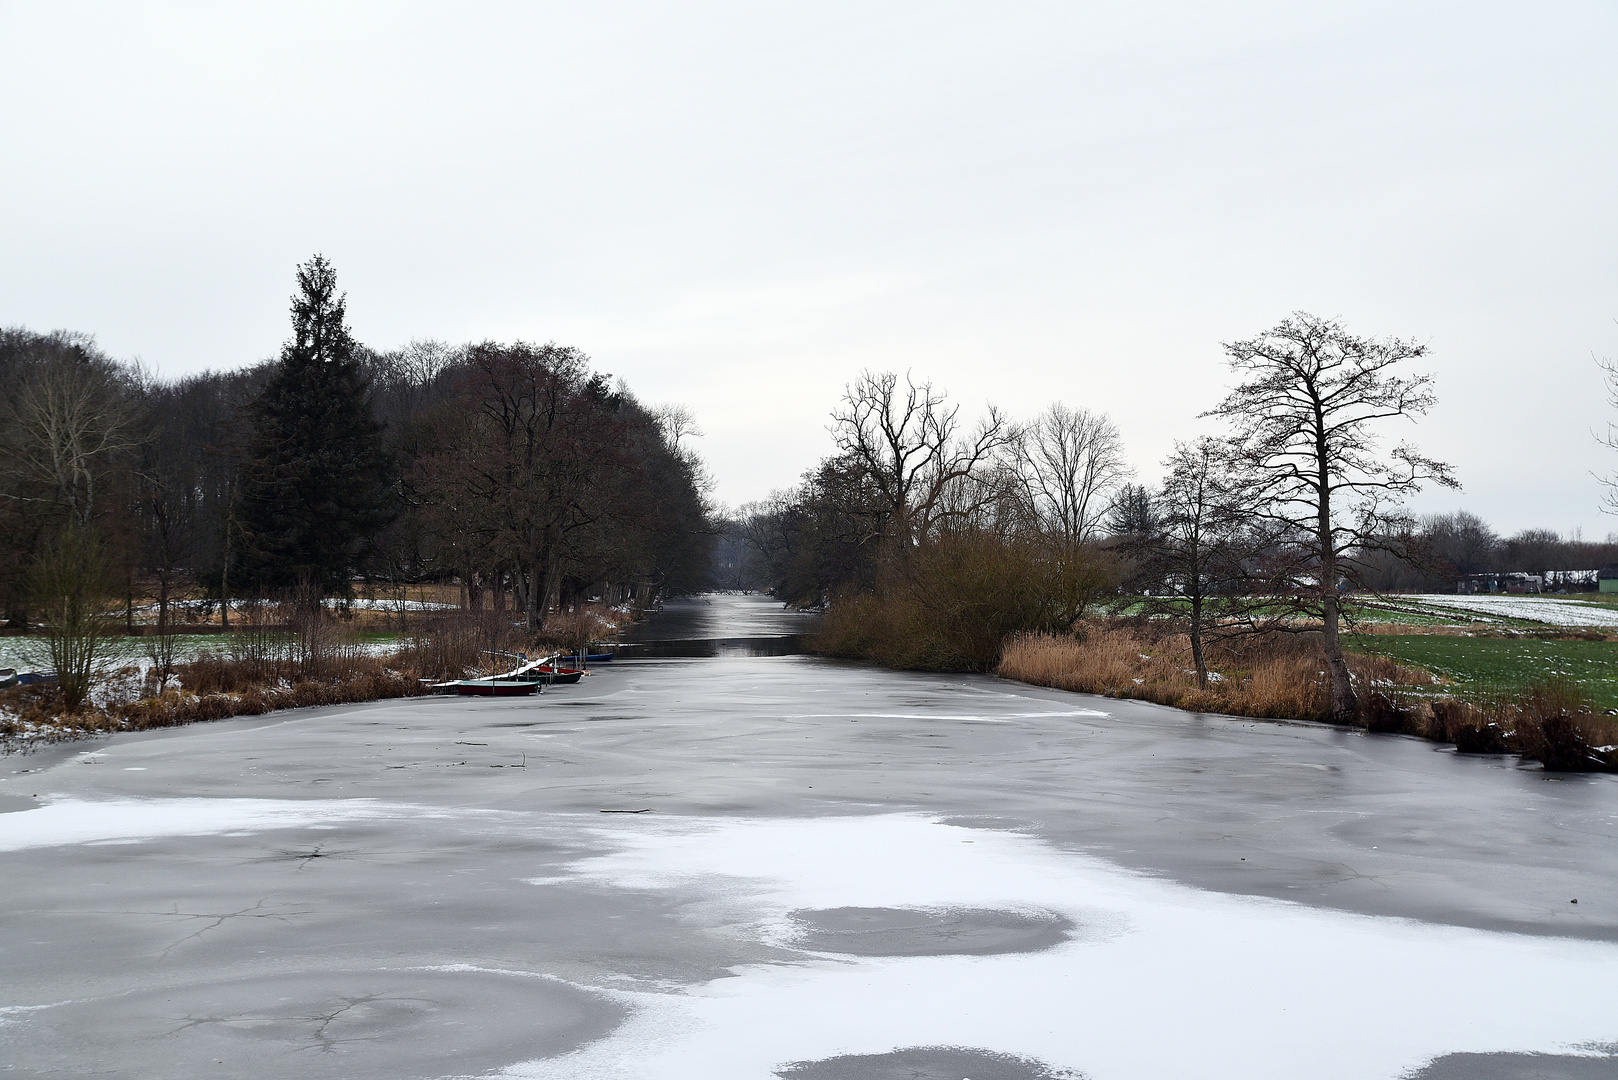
x,y
394,605
1545,609
1159,980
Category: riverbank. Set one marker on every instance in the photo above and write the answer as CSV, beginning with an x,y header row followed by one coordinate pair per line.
x,y
264,667
1282,677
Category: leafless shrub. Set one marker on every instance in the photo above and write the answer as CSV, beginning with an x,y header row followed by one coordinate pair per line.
x,y
73,594
452,645
1558,727
952,604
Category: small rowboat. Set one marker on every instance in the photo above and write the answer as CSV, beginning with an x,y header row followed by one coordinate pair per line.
x,y
495,687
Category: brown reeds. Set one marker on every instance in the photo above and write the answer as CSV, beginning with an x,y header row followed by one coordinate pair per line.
x,y
218,689
1282,676
1276,676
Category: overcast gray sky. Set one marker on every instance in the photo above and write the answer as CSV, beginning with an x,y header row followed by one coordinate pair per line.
x,y
738,206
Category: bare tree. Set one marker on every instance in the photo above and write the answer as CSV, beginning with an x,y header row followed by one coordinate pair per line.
x,y
1197,543
521,464
72,423
907,443
1534,550
1609,373
1462,542
1070,462
676,423
1304,412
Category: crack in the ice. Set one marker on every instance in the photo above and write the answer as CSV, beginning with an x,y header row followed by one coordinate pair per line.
x,y
1351,874
320,1039
218,919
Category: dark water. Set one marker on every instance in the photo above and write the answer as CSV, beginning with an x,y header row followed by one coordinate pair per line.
x,y
719,624
791,645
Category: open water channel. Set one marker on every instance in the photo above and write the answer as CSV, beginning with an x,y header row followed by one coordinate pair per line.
x,y
717,862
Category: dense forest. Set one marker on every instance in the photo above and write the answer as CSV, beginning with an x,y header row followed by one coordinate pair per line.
x,y
514,469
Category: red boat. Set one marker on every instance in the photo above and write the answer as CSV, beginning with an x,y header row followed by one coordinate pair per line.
x,y
494,688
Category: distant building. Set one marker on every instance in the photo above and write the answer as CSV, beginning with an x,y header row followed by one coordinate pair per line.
x,y
1514,582
1572,580
1607,579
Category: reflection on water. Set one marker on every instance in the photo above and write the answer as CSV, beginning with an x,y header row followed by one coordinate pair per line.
x,y
785,645
730,624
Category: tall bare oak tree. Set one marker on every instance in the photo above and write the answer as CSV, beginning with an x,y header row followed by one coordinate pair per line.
x,y
1305,416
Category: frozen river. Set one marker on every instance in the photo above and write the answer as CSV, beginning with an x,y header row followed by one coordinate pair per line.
x,y
805,869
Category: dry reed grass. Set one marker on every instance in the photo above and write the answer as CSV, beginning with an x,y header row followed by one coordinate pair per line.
x,y
1283,677
1276,676
578,627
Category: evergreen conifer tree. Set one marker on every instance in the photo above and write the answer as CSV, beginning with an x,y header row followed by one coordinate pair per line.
x,y
316,480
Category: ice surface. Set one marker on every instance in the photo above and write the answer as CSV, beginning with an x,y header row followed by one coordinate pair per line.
x,y
879,931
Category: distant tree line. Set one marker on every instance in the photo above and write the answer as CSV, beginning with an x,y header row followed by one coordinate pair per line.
x,y
514,468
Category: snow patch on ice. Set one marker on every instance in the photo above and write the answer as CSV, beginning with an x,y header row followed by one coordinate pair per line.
x,y
73,821
1244,985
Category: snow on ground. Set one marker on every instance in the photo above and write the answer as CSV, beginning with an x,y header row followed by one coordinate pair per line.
x,y
1546,609
30,653
394,605
240,610
1159,980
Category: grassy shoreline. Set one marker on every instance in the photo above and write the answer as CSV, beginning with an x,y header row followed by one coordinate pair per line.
x,y
1282,677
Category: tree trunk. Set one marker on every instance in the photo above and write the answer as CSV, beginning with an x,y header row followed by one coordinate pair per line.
x,y
521,586
1344,706
547,586
164,646
1197,657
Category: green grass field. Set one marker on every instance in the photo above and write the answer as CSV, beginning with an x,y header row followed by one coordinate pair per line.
x,y
1484,665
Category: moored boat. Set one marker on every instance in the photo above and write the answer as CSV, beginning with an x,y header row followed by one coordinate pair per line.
x,y
543,673
495,687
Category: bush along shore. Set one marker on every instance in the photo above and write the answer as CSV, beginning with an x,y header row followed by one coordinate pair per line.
x,y
291,664
1281,676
